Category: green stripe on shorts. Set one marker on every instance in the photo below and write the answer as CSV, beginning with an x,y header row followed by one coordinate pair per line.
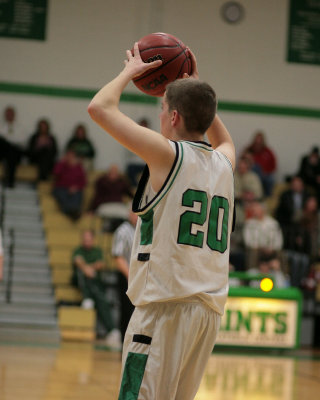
x,y
132,376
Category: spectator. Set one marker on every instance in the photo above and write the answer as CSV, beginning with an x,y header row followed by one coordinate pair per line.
x,y
247,183
270,264
310,224
11,145
297,248
309,170
69,182
291,204
82,146
110,191
265,163
121,252
247,188
87,260
262,235
135,164
42,150
294,217
111,187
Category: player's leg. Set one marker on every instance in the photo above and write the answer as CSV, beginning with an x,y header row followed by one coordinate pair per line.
x,y
197,356
163,344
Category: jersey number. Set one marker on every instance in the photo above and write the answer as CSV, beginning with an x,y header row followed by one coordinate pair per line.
x,y
217,232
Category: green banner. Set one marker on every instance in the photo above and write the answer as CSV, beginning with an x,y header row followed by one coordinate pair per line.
x,y
304,32
24,19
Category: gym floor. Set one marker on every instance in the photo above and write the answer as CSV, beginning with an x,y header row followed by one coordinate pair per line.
x,y
79,371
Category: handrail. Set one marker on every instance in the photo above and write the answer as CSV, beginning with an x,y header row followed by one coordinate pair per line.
x,y
2,206
10,265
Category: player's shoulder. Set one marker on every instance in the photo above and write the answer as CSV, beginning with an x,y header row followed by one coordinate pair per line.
x,y
206,148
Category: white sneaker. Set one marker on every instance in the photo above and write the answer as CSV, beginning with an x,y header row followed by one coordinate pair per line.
x,y
87,304
113,339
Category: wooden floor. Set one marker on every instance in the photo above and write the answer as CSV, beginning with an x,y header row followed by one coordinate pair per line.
x,y
85,372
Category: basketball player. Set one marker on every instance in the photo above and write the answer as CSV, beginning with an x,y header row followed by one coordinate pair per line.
x,y
178,277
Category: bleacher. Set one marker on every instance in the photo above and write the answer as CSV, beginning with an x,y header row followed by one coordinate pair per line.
x,y
61,237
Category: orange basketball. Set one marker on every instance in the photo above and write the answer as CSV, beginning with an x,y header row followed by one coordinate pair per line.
x,y
175,62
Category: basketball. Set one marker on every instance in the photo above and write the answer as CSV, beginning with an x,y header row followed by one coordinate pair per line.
x,y
175,62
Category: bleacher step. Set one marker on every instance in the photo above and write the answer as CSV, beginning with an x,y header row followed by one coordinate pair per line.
x,y
26,242
28,309
30,335
32,285
21,262
31,271
28,259
22,319
32,298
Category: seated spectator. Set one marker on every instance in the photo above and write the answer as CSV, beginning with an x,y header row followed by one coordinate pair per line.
x,y
297,248
312,280
135,164
42,150
262,235
121,252
110,187
297,240
269,264
110,192
309,171
82,146
265,163
291,203
310,223
87,261
247,184
12,144
69,182
247,188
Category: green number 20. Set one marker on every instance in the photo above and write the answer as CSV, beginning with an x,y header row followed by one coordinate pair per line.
x,y
192,217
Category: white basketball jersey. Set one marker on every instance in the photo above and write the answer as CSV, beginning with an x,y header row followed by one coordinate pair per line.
x,y
182,239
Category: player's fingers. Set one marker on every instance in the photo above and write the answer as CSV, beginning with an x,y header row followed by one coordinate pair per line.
x,y
136,51
129,54
194,67
153,64
185,76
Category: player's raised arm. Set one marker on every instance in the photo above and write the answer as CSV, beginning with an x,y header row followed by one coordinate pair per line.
x,y
221,140
104,110
217,133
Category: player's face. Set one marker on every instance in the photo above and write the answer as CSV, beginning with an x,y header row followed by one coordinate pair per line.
x,y
165,118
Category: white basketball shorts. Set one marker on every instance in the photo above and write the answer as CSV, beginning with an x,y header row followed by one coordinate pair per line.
x,y
166,349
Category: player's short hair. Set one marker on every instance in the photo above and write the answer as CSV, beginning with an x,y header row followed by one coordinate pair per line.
x,y
195,101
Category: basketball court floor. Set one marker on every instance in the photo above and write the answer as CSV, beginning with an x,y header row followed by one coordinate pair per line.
x,y
78,371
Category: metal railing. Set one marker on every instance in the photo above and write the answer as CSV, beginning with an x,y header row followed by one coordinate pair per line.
x,y
10,265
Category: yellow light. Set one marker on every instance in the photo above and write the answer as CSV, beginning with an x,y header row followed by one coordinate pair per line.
x,y
266,284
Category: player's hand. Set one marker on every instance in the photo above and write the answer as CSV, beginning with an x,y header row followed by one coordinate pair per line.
x,y
194,67
134,64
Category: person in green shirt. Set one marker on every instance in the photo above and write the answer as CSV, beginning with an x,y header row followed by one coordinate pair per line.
x,y
87,260
82,146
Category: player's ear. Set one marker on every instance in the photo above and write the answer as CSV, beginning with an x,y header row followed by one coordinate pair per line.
x,y
175,118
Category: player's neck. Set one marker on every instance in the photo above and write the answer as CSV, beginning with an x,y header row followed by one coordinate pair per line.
x,y
190,136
